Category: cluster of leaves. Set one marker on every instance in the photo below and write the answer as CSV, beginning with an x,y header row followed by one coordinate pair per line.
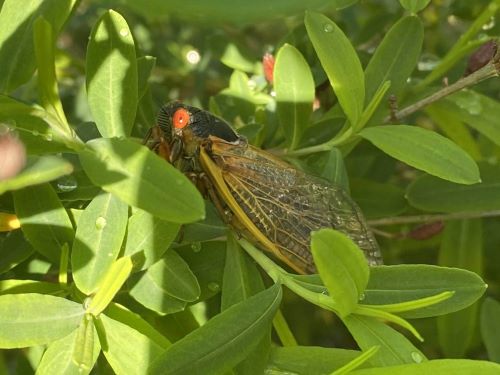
x,y
100,275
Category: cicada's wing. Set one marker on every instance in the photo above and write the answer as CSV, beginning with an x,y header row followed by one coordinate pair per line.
x,y
286,204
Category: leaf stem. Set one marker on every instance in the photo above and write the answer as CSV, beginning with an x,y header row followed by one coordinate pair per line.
x,y
283,330
432,217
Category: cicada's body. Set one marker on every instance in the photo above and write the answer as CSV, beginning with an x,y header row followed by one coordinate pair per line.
x,y
271,203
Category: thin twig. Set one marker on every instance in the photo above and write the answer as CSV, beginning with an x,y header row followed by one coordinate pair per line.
x,y
490,70
433,217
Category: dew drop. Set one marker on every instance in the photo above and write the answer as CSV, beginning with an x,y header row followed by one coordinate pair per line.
x,y
328,28
66,184
110,254
100,222
49,137
428,62
196,247
490,24
214,287
124,32
35,133
417,357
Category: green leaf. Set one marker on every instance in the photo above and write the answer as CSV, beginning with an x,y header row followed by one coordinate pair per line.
x,y
309,360
490,328
233,334
38,170
112,76
38,130
99,235
226,11
48,93
330,165
207,229
236,60
394,347
438,366
378,200
142,179
17,56
414,6
127,350
166,285
145,66
358,361
241,277
112,282
478,111
44,220
241,281
83,354
206,261
295,90
461,247
395,57
148,293
36,319
13,286
425,150
148,238
428,193
176,277
58,358
125,316
9,258
451,124
418,281
340,62
342,267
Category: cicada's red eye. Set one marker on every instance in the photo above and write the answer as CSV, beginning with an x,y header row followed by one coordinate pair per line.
x,y
180,118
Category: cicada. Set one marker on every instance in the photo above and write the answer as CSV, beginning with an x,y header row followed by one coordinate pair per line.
x,y
271,203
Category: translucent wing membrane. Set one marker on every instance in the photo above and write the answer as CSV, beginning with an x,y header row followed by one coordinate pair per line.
x,y
285,204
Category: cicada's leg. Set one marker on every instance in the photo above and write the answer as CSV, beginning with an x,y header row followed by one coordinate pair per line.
x,y
225,214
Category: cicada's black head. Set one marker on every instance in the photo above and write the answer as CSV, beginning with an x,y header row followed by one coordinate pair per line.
x,y
191,124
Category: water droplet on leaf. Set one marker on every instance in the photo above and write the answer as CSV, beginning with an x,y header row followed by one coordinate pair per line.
x,y
489,25
124,32
362,296
196,247
328,28
417,357
66,184
214,287
100,222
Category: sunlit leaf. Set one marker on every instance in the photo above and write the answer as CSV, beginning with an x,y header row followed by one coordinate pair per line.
x,y
233,334
294,86
342,267
340,62
112,76
98,239
142,179
34,319
425,150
